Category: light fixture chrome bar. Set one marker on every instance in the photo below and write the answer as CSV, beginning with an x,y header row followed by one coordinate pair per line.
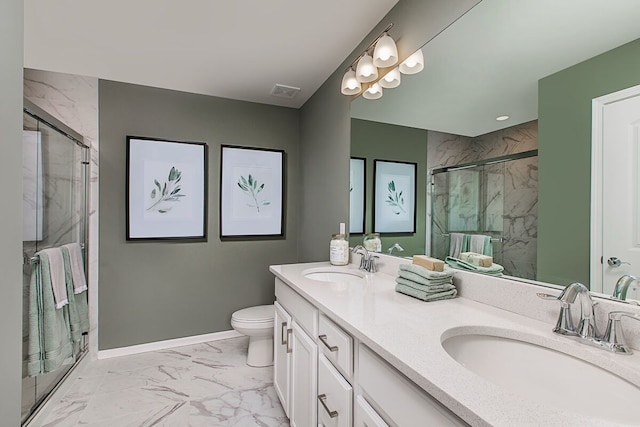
x,y
373,43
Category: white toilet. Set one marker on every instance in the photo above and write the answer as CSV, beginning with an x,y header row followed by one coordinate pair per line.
x,y
257,323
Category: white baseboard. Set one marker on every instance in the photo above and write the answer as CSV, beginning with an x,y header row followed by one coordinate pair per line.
x,y
163,345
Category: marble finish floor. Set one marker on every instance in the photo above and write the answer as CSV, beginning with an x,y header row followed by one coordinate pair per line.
x,y
205,384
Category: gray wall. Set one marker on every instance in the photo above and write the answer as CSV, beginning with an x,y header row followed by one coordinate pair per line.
x,y
158,291
11,45
382,141
325,124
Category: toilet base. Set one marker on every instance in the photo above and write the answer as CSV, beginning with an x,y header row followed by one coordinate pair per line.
x,y
260,351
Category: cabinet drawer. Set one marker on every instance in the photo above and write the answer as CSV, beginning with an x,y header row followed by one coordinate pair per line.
x,y
299,308
336,344
403,402
366,416
334,396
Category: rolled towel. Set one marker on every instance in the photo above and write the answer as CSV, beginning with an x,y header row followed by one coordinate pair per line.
x,y
421,280
494,270
427,274
428,289
407,290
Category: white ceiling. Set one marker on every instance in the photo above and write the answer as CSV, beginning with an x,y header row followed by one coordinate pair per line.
x,y
235,49
488,63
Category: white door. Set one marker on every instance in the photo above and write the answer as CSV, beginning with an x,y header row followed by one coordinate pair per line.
x,y
620,187
281,355
304,379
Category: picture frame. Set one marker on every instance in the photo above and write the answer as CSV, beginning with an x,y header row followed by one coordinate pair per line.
x,y
394,196
166,194
251,192
357,199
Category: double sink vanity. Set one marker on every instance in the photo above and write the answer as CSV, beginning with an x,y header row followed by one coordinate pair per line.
x,y
350,351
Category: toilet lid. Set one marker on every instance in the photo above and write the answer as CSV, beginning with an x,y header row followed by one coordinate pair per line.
x,y
260,313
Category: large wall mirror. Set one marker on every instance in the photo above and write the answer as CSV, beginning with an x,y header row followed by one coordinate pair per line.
x,y
524,181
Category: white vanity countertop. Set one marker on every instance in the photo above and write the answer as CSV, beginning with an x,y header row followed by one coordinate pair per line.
x,y
408,333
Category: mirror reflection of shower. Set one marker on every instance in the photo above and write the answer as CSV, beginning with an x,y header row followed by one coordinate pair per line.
x,y
495,197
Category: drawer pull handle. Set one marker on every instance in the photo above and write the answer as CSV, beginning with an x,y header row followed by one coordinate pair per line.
x,y
331,348
323,399
283,333
289,349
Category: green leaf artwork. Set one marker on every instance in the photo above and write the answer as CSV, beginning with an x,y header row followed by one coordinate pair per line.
x,y
395,199
251,189
170,191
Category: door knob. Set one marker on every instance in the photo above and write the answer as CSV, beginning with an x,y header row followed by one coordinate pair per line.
x,y
616,262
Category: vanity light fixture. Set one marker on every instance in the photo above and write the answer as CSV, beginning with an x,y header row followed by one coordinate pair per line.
x,y
350,85
502,118
374,92
386,53
364,69
413,64
391,79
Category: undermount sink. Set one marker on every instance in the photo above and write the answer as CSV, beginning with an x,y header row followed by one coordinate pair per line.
x,y
335,275
548,376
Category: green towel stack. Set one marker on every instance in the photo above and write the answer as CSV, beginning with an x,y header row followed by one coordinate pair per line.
x,y
494,270
427,285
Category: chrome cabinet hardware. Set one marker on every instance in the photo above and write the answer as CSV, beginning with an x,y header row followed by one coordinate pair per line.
x,y
289,332
323,399
323,339
283,333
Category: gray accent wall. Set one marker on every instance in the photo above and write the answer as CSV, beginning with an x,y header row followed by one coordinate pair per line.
x,y
325,124
11,49
154,291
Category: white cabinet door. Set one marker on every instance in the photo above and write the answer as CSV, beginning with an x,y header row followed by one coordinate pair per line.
x,y
281,355
366,416
304,379
334,396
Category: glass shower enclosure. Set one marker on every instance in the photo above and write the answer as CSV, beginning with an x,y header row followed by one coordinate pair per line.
x,y
55,173
495,197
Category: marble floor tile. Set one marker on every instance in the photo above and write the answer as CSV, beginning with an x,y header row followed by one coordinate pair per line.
x,y
205,384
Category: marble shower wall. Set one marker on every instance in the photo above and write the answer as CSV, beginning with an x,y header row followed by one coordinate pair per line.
x,y
509,195
74,101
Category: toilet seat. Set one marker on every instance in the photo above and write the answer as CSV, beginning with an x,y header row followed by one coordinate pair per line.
x,y
257,314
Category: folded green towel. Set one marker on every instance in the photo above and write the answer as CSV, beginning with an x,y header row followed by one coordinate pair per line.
x,y
431,289
494,270
421,280
407,290
427,274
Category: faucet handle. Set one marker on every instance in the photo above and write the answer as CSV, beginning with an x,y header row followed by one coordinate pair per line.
x,y
613,337
564,325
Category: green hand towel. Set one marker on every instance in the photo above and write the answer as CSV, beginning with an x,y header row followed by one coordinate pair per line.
x,y
427,274
432,289
77,308
494,270
421,280
49,343
407,290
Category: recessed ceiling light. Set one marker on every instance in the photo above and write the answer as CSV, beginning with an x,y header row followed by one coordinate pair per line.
x,y
502,118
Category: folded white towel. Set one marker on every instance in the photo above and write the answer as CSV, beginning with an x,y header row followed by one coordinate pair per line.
x,y
77,267
56,272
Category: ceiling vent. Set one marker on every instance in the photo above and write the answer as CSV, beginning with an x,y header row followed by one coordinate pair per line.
x,y
284,91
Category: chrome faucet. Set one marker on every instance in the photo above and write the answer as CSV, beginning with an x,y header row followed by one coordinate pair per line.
x,y
395,246
622,286
587,326
613,339
367,260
